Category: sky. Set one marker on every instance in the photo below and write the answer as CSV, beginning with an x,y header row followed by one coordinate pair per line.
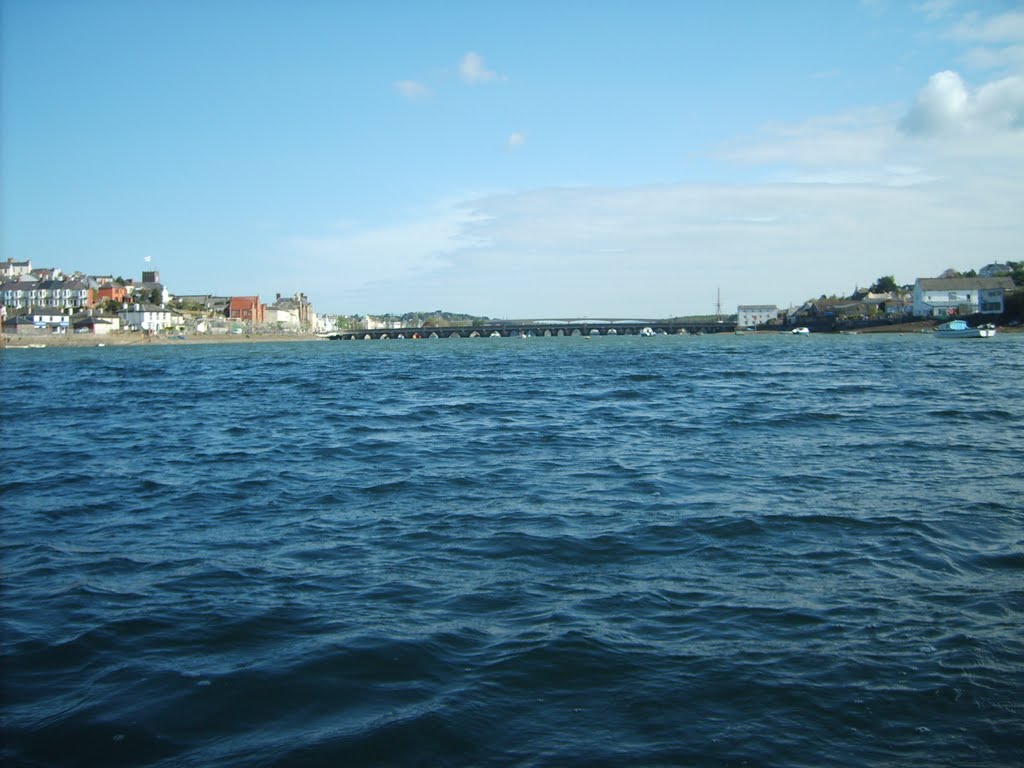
x,y
538,159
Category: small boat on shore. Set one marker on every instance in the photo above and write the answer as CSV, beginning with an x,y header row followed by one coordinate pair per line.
x,y
800,331
958,329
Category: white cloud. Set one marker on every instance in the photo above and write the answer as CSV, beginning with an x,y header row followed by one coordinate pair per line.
x,y
369,265
1010,57
940,106
517,139
947,106
1006,27
935,9
473,70
1001,104
412,89
666,249
855,139
997,42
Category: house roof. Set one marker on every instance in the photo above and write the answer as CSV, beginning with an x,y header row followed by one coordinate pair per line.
x,y
74,285
964,283
148,308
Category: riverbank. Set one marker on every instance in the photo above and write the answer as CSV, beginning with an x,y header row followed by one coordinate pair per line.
x,y
141,339
925,326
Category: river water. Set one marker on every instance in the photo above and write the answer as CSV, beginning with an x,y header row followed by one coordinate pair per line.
x,y
758,550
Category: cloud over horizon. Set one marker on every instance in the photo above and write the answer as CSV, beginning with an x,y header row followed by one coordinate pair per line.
x,y
850,197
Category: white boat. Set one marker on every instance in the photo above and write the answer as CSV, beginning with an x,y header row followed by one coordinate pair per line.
x,y
958,329
647,332
800,331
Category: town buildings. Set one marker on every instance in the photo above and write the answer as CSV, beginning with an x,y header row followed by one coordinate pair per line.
x,y
24,293
929,297
940,297
45,300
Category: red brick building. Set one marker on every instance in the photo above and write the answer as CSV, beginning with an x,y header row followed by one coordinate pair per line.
x,y
112,291
247,309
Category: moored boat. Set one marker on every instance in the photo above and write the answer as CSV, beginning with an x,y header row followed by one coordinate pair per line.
x,y
958,329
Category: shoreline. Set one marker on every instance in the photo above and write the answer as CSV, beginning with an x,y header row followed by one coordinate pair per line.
x,y
136,339
141,340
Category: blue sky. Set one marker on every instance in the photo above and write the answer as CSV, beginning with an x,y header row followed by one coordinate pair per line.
x,y
515,160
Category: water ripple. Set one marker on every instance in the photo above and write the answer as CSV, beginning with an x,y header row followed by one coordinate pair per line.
x,y
673,551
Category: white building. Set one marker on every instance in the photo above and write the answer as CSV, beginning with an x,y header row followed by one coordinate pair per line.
x,y
370,323
148,317
939,297
756,314
288,318
53,318
12,270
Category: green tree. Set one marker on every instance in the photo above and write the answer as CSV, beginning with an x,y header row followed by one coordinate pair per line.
x,y
1013,306
884,284
156,296
1017,274
112,306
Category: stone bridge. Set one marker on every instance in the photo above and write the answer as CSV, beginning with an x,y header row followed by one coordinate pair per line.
x,y
515,328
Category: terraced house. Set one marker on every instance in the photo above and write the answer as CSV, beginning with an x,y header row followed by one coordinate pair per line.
x,y
25,294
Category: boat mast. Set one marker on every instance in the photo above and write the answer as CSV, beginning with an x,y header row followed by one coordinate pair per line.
x,y
718,305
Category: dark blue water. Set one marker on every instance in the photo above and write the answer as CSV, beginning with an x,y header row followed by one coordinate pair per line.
x,y
545,552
